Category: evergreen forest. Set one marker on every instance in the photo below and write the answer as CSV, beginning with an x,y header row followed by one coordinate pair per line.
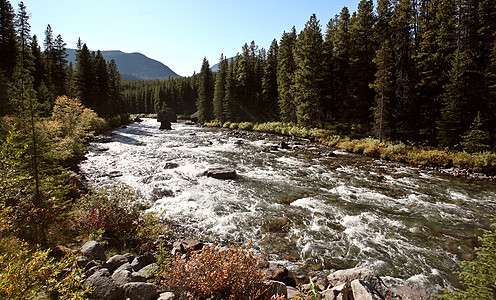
x,y
416,71
420,73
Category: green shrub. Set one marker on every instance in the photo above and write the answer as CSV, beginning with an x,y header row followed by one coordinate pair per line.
x,y
478,277
113,210
246,126
216,273
115,214
429,157
227,124
26,274
234,126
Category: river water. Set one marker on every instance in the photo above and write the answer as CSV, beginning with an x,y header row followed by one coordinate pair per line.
x,y
302,207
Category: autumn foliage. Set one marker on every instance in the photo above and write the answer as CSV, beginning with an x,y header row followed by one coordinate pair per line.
x,y
217,273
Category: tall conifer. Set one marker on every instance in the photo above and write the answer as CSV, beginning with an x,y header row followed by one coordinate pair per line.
x,y
270,109
286,67
308,75
205,93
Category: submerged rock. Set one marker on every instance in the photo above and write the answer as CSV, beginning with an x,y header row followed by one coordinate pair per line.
x,y
221,173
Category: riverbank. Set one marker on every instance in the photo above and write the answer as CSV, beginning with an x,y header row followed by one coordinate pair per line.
x,y
474,166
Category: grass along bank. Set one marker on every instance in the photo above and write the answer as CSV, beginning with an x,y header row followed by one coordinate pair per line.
x,y
480,162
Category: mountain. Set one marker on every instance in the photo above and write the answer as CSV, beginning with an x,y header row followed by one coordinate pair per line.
x,y
133,66
215,67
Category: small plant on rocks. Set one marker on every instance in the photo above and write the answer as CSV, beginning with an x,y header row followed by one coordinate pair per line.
x,y
216,273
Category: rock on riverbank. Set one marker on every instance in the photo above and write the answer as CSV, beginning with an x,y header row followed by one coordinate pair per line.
x,y
124,276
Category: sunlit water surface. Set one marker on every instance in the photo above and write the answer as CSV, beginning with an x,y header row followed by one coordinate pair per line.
x,y
311,212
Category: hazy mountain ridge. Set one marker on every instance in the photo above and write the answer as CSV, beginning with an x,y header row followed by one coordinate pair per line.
x,y
215,67
133,66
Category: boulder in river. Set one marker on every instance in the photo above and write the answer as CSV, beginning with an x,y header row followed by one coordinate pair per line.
x,y
165,125
221,173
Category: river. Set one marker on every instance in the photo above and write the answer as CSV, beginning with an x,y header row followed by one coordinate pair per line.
x,y
312,211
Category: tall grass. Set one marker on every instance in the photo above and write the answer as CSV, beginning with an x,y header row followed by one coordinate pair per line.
x,y
395,151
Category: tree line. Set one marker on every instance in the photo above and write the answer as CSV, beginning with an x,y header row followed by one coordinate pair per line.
x,y
422,71
44,72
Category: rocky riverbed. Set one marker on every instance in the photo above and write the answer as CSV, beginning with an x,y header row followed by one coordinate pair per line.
x,y
311,208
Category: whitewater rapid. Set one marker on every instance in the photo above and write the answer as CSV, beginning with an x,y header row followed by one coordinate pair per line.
x,y
309,210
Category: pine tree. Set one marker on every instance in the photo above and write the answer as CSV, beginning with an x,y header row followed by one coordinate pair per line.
x,y
103,86
59,66
405,112
476,139
205,93
328,91
456,115
308,75
115,92
433,60
49,58
384,88
286,67
8,46
232,106
269,85
85,78
362,67
341,60
220,89
23,92
384,13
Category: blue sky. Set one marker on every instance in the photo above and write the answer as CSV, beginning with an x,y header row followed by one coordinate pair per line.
x,y
178,33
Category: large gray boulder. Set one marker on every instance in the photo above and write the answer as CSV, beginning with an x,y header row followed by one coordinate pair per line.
x,y
93,249
221,173
142,261
364,291
115,262
140,291
122,277
147,272
363,274
103,286
185,245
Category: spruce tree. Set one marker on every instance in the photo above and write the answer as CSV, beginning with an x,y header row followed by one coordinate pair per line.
x,y
115,91
456,114
329,107
59,66
433,60
362,67
286,67
270,96
405,112
49,58
220,89
308,75
384,88
232,106
103,86
205,93
85,78
8,45
341,61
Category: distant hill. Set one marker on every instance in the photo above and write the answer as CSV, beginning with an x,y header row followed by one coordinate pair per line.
x,y
133,66
215,67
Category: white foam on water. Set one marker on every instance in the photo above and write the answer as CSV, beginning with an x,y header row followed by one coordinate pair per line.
x,y
377,217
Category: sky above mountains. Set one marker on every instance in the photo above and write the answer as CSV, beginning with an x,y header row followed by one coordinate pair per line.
x,y
177,33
